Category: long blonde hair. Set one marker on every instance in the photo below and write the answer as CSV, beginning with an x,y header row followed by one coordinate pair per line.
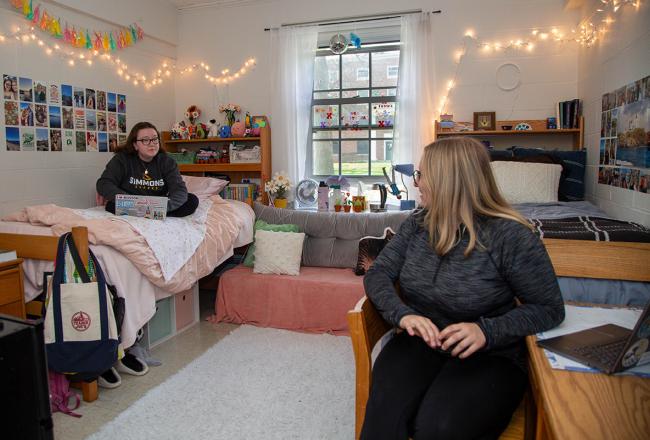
x,y
459,182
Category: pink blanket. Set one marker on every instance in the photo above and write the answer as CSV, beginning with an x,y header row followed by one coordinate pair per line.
x,y
222,227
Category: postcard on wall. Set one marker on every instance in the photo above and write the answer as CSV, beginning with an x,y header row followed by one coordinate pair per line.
x,y
112,142
80,140
90,99
40,115
121,123
26,89
101,121
11,112
91,120
42,139
10,87
102,142
40,92
101,100
68,140
112,102
27,139
121,103
79,97
112,122
68,117
55,116
121,139
54,94
12,137
91,141
26,114
55,140
66,95
79,119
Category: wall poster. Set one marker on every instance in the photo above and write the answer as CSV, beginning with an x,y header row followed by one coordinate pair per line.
x,y
46,116
625,137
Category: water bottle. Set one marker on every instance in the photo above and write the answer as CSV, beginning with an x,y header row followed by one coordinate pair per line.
x,y
323,196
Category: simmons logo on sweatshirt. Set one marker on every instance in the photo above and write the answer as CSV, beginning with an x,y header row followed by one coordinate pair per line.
x,y
147,183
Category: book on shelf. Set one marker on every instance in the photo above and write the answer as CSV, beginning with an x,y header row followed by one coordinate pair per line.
x,y
7,255
568,114
244,192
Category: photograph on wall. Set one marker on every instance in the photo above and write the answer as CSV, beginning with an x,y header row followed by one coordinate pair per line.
x,y
101,100
26,89
112,103
91,141
625,137
54,96
112,122
68,140
121,103
91,120
101,121
66,95
121,139
79,97
40,92
102,142
79,119
26,114
121,123
90,99
11,113
55,116
67,117
27,139
55,140
10,87
40,115
112,142
42,139
80,140
12,137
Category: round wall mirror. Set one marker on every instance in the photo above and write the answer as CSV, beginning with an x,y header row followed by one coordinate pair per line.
x,y
508,76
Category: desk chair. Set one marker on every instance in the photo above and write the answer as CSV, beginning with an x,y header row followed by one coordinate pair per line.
x,y
570,258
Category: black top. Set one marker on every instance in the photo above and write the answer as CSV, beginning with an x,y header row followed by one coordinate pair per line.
x,y
125,174
480,288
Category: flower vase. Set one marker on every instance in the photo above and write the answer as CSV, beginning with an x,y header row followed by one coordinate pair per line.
x,y
280,203
230,117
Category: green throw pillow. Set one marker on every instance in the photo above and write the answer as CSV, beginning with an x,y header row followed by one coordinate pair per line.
x,y
249,261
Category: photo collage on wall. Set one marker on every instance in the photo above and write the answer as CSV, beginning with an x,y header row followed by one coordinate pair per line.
x,y
625,137
45,116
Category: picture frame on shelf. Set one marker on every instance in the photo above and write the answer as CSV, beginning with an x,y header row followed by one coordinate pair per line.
x,y
259,121
485,121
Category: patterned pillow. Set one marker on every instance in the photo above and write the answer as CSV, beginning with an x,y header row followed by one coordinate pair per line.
x,y
261,225
278,252
369,249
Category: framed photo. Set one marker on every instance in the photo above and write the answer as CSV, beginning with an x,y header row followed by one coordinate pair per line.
x,y
485,121
258,121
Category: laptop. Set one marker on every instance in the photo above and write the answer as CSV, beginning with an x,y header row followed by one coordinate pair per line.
x,y
141,206
609,348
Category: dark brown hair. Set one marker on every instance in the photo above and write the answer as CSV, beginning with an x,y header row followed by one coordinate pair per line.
x,y
127,146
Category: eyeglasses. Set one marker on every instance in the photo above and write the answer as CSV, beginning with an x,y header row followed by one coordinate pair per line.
x,y
147,141
416,177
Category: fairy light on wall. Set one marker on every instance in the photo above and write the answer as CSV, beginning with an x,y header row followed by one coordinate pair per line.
x,y
225,76
587,32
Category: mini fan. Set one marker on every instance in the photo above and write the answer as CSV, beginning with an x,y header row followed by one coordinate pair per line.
x,y
306,193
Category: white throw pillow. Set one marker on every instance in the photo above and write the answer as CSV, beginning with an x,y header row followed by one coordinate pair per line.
x,y
524,182
278,252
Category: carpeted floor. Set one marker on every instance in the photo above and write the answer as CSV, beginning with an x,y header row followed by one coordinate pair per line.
x,y
254,384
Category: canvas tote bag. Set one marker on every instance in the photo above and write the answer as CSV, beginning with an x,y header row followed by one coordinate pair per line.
x,y
80,330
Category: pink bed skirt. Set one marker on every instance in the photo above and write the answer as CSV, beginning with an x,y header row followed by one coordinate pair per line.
x,y
316,301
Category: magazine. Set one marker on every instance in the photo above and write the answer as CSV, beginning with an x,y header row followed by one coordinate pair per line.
x,y
141,206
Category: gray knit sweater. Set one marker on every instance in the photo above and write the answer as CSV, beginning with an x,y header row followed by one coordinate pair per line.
x,y
480,288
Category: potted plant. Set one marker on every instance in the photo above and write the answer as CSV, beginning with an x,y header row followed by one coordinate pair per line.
x,y
338,205
357,205
347,202
278,188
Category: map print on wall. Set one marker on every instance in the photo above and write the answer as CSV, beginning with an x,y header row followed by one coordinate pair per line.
x,y
46,116
625,137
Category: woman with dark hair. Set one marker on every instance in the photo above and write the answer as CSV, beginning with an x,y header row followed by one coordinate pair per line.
x,y
142,167
464,262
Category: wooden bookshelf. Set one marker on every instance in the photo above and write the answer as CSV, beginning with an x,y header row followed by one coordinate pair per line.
x,y
538,128
236,171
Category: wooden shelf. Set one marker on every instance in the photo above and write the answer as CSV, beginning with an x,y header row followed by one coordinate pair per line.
x,y
221,167
506,132
208,140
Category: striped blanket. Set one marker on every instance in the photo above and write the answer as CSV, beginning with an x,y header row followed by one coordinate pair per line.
x,y
590,228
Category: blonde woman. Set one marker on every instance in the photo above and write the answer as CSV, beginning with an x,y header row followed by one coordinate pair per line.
x,y
458,370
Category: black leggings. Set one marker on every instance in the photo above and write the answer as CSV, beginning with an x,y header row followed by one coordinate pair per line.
x,y
419,392
184,210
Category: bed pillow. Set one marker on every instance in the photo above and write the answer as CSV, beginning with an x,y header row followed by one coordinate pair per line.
x,y
278,252
204,187
249,261
522,182
572,185
369,249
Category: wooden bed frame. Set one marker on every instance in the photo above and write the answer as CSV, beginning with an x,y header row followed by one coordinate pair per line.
x,y
43,247
570,258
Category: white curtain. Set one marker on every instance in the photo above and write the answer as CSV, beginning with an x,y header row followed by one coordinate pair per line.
x,y
292,53
414,125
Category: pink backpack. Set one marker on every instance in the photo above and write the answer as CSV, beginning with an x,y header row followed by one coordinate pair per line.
x,y
60,394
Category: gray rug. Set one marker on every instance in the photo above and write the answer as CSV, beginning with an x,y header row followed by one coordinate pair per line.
x,y
254,384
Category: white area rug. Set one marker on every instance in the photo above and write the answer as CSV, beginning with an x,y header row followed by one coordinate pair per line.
x,y
254,384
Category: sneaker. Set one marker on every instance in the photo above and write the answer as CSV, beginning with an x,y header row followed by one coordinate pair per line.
x,y
130,364
109,379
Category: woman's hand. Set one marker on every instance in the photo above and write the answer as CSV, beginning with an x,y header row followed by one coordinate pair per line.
x,y
422,327
464,337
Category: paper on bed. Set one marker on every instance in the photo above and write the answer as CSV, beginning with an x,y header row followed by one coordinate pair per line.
x,y
172,241
581,318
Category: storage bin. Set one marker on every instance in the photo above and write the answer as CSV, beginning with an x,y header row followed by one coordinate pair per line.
x,y
161,325
185,157
184,302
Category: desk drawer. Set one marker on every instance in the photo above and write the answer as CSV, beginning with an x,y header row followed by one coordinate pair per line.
x,y
10,288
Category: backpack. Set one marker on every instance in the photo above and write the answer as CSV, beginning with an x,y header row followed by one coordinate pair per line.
x,y
80,329
60,394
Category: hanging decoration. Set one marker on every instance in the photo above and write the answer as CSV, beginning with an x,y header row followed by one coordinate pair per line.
x,y
355,40
586,33
79,37
338,44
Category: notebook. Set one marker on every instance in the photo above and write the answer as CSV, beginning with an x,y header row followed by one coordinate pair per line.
x,y
141,206
609,348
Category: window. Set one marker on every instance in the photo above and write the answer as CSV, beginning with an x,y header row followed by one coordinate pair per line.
x,y
353,111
